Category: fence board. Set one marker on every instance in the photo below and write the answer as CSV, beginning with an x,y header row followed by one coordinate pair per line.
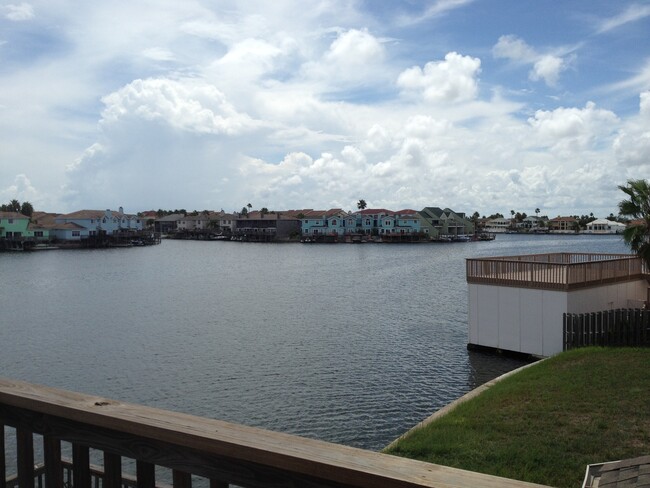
x,y
614,328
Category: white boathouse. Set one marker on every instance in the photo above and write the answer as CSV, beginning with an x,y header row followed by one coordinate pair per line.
x,y
516,303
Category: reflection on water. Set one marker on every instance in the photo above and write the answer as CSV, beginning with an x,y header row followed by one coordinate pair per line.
x,y
350,344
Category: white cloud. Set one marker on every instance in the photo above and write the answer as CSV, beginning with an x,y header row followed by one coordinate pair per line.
x,y
354,58
451,80
632,13
435,9
632,145
546,67
158,54
22,190
573,129
20,12
183,104
638,82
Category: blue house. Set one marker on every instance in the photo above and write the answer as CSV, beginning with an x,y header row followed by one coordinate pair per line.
x,y
322,222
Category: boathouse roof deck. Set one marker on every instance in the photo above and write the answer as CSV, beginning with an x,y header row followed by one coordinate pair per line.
x,y
555,271
223,453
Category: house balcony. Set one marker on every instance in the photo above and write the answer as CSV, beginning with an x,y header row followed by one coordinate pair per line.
x,y
184,447
555,271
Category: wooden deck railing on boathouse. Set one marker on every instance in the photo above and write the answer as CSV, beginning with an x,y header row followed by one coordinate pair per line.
x,y
555,271
223,453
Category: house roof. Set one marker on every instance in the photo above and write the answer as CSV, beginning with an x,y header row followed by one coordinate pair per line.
x,y
308,213
67,226
563,219
605,222
94,214
372,211
171,218
267,216
13,215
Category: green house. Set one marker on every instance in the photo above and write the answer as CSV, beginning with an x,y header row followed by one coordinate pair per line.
x,y
14,225
444,223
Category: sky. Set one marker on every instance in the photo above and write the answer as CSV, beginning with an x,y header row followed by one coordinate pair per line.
x,y
476,105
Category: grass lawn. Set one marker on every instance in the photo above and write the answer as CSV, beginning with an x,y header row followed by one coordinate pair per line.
x,y
546,423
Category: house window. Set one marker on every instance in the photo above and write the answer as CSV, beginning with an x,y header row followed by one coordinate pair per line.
x,y
92,221
92,233
367,221
10,221
75,233
306,221
334,222
38,233
104,220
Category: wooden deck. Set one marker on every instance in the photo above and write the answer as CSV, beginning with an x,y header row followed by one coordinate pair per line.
x,y
223,453
555,271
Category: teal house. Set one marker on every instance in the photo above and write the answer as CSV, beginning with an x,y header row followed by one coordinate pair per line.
x,y
13,225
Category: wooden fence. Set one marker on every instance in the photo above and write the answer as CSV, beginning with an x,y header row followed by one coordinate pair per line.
x,y
226,454
622,327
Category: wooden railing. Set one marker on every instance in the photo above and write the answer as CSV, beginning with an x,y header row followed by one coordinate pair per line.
x,y
221,452
556,271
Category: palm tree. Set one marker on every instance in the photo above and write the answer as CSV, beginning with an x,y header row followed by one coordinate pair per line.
x,y
361,204
14,206
637,207
537,212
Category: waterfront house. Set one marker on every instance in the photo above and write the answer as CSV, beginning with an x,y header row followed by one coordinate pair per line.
x,y
197,222
222,222
321,222
368,221
168,223
531,222
563,225
498,225
13,225
444,223
101,222
604,226
516,303
266,226
402,222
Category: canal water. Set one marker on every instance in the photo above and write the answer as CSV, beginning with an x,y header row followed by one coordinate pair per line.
x,y
352,344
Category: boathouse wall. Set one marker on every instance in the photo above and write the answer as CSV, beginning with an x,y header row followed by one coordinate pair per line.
x,y
529,320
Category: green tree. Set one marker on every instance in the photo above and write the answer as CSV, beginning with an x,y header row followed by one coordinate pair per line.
x,y
27,209
14,206
361,204
637,207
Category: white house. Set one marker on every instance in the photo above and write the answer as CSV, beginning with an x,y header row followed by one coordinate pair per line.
x,y
517,303
604,226
498,225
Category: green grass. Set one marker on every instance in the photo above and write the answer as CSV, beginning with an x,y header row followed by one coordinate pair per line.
x,y
546,423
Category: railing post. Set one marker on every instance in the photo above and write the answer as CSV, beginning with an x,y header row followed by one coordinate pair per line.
x,y
53,465
146,474
80,466
3,467
218,484
112,470
182,479
25,448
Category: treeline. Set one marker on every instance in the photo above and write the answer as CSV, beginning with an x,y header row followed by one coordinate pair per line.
x,y
24,208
